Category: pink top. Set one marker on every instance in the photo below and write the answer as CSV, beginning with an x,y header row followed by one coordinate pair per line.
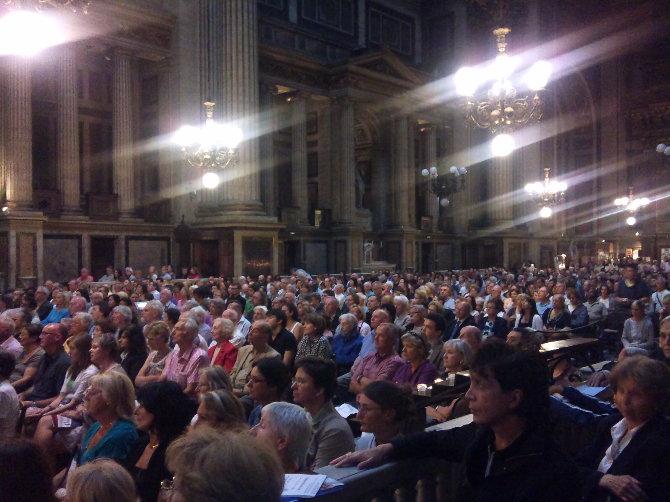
x,y
184,369
85,279
375,367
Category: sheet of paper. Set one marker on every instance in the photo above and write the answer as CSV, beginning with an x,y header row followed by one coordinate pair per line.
x,y
590,391
64,421
302,485
345,410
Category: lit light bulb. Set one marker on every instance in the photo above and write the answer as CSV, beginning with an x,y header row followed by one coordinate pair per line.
x,y
463,170
433,171
631,220
530,187
186,136
503,66
644,201
546,212
26,33
444,202
502,145
667,150
538,75
230,136
210,180
660,148
466,81
424,172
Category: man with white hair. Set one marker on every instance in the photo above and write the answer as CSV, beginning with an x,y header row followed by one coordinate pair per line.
x,y
44,307
151,313
166,299
242,323
239,338
80,324
184,363
339,295
402,317
198,314
77,304
7,340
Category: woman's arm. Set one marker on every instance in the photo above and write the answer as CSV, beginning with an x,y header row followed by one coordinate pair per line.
x,y
142,379
298,332
27,379
626,335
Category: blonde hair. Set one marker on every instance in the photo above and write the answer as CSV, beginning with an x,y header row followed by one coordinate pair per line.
x,y
118,391
159,328
227,326
217,378
102,480
198,459
226,409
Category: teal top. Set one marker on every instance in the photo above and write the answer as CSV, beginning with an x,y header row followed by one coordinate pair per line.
x,y
55,316
116,444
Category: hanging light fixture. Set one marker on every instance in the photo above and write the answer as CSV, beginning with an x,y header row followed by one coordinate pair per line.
x,y
443,185
631,205
547,194
210,149
504,108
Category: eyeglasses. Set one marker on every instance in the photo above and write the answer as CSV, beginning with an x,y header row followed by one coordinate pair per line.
x,y
256,380
367,409
298,381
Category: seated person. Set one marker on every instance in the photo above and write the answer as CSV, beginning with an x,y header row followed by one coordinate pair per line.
x,y
433,328
249,354
491,324
579,317
347,344
222,410
269,382
509,401
102,481
186,359
416,369
283,341
457,357
158,338
287,428
629,457
26,366
9,401
638,331
528,316
557,317
386,412
223,352
313,388
381,364
314,342
524,339
133,347
199,458
473,337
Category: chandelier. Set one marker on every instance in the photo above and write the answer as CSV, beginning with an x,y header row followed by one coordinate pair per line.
x,y
662,148
631,205
504,109
38,5
443,185
547,194
211,149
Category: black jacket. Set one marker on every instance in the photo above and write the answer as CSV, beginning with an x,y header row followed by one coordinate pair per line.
x,y
532,469
450,334
499,329
646,458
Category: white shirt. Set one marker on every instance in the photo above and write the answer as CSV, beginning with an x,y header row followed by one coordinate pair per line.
x,y
9,410
340,299
656,304
244,326
621,436
12,346
79,385
238,338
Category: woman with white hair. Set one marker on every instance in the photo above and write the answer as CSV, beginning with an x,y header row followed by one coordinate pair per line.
x,y
288,429
224,353
122,316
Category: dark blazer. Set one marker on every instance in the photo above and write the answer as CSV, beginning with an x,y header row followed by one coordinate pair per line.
x,y
499,329
646,458
560,322
454,328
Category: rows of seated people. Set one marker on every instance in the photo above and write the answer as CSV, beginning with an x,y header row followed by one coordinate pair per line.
x,y
160,375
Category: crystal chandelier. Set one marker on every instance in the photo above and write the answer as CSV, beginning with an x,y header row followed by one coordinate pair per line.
x,y
547,194
631,205
443,185
504,109
211,149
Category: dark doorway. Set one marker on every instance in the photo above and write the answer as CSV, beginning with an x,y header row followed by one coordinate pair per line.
x,y
427,257
292,256
102,255
207,258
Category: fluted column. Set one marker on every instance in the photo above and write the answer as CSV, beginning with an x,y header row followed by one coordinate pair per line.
x,y
501,186
18,134
430,160
240,96
268,191
299,155
68,131
123,132
400,172
347,167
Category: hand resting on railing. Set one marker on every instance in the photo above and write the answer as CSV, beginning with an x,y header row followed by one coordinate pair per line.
x,y
366,459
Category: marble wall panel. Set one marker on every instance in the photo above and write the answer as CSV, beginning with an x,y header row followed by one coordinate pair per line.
x,y
62,258
145,253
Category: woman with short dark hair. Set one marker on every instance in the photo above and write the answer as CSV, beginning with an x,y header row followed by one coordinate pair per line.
x,y
133,345
314,343
269,382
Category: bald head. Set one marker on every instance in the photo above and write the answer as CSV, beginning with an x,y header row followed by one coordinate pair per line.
x,y
472,336
230,314
77,304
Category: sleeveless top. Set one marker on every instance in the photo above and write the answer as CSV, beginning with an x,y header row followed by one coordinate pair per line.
x,y
294,326
156,366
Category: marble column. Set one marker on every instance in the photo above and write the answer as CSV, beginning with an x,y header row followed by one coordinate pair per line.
x,y
299,156
400,174
122,117
347,167
68,131
240,98
411,173
430,160
18,134
501,188
267,151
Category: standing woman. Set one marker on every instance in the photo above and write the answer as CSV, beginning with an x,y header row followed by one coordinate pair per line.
x,y
163,413
314,343
158,338
292,321
133,347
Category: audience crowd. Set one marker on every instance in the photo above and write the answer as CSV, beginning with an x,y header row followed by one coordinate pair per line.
x,y
179,387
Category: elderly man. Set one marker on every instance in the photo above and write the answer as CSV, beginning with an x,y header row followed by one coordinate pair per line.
x,y
331,307
372,305
472,336
81,323
44,308
122,316
198,314
7,340
85,276
402,317
77,304
417,315
96,299
347,345
247,356
382,363
463,319
243,325
52,367
151,313
109,275
340,296
186,360
166,299
239,338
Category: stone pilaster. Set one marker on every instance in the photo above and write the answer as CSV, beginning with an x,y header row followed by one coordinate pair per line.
x,y
299,156
240,99
122,117
17,133
430,160
347,165
68,131
400,172
268,190
501,187
411,174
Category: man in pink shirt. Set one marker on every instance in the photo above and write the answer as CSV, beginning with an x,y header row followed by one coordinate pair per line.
x,y
186,359
380,364
84,276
